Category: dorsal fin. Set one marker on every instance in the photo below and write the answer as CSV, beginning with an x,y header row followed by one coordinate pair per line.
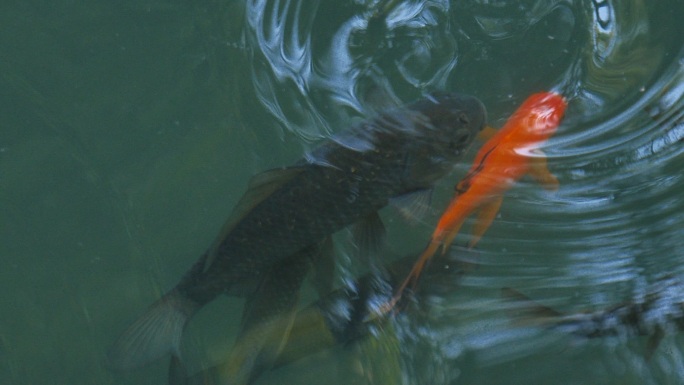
x,y
529,308
260,187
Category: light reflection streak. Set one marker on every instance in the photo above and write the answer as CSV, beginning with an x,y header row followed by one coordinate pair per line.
x,y
618,206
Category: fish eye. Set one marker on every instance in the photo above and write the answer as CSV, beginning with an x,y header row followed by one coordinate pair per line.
x,y
463,118
459,139
463,137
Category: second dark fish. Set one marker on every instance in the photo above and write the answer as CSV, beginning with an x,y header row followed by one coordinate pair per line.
x,y
659,312
340,318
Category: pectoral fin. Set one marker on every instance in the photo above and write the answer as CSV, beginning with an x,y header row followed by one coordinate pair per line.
x,y
485,217
540,172
369,236
414,205
450,234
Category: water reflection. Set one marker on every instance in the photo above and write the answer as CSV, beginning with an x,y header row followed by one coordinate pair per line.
x,y
610,230
130,130
313,77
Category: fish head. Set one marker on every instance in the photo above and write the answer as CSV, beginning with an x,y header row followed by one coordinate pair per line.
x,y
448,123
541,114
454,120
445,127
436,132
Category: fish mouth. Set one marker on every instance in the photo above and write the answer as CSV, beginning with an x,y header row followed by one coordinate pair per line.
x,y
473,110
471,119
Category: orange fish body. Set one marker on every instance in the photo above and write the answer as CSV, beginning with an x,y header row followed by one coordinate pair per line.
x,y
510,154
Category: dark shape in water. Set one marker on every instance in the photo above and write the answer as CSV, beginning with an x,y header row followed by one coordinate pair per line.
x,y
661,310
285,211
340,318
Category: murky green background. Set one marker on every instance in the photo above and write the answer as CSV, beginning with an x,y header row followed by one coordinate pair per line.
x,y
128,130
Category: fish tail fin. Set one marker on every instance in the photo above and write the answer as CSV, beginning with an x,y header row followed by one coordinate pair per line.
x,y
155,334
526,310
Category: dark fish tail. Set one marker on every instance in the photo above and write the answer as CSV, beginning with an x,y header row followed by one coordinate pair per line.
x,y
527,312
155,334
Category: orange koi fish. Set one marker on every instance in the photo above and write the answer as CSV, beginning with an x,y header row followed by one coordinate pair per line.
x,y
510,154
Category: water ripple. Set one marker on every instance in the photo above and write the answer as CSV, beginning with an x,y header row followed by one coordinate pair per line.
x,y
614,226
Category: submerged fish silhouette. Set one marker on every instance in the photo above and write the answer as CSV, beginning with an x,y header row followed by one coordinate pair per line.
x,y
510,154
661,310
339,318
289,213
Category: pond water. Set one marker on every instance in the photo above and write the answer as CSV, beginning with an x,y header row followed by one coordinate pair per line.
x,y
129,130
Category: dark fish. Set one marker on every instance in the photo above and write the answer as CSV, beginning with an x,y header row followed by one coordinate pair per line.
x,y
340,318
345,181
268,319
661,310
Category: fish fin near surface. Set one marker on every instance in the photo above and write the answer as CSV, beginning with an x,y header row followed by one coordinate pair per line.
x,y
155,334
413,206
260,187
324,267
485,217
369,236
526,309
539,171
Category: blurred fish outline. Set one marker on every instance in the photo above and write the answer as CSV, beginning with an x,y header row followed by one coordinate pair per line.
x,y
340,318
511,153
658,313
290,213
